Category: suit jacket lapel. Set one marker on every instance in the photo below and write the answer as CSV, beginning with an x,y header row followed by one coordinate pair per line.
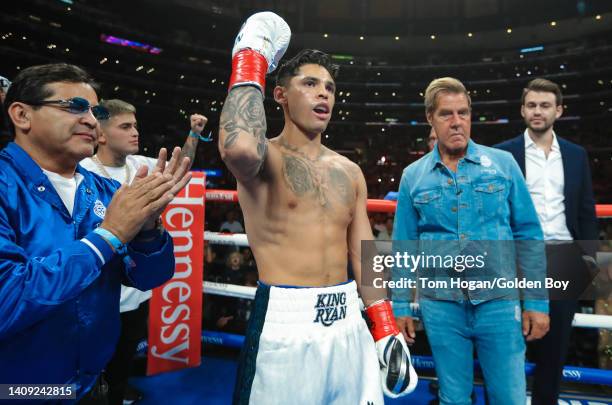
x,y
567,177
519,152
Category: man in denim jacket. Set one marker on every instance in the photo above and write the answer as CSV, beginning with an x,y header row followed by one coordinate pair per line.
x,y
468,195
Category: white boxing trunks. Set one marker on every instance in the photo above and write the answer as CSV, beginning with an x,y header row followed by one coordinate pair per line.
x,y
308,346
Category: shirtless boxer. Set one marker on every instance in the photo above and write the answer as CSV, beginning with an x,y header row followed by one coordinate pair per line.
x,y
305,215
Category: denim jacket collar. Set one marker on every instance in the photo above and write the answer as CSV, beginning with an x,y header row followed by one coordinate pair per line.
x,y
473,154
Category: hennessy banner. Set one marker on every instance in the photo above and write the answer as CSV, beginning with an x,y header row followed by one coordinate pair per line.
x,y
175,315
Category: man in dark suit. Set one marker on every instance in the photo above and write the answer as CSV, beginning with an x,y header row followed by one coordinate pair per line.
x,y
559,180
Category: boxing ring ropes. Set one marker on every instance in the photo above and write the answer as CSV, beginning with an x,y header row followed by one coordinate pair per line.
x,y
573,374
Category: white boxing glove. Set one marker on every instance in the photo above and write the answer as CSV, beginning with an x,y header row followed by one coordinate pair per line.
x,y
259,46
398,377
266,33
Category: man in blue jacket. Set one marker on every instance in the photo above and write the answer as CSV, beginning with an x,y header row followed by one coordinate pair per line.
x,y
69,238
458,198
559,180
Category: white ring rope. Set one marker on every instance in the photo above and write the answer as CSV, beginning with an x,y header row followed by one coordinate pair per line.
x,y
229,290
221,238
592,321
239,291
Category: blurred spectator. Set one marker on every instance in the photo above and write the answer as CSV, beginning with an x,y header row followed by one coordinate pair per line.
x,y
214,216
234,271
250,278
375,230
4,85
231,314
248,259
231,224
379,223
212,268
386,233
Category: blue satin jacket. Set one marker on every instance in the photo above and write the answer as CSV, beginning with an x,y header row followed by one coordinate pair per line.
x,y
59,281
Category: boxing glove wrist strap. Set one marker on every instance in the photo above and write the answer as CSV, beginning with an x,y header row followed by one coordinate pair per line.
x,y
382,321
249,68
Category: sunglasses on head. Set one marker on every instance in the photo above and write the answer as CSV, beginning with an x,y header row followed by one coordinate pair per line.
x,y
76,105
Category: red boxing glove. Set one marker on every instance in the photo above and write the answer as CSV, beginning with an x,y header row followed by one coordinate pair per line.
x,y
249,68
382,321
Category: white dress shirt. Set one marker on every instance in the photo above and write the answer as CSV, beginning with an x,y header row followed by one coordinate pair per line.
x,y
545,180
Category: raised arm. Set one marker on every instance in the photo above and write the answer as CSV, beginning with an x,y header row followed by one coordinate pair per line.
x,y
198,122
261,42
242,132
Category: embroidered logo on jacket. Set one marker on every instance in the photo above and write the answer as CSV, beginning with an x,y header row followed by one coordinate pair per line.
x,y
485,161
99,209
330,308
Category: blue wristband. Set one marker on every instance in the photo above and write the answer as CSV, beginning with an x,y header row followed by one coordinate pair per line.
x,y
119,247
200,137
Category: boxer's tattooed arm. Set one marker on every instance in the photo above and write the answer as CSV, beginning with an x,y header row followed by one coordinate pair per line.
x,y
243,115
243,111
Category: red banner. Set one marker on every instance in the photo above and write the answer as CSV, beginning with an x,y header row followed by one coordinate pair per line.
x,y
175,315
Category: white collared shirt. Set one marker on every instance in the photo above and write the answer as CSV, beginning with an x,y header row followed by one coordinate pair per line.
x,y
545,180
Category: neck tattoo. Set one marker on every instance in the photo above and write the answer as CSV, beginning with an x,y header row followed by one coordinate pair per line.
x,y
294,149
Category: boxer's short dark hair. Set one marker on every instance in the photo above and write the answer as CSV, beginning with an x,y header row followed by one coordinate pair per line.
x,y
290,68
30,85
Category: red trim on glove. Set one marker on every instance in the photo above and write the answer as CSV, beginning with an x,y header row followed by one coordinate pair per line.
x,y
249,66
382,321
